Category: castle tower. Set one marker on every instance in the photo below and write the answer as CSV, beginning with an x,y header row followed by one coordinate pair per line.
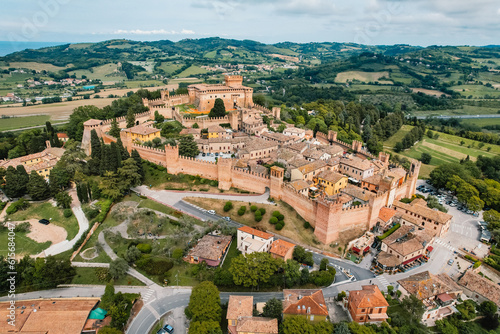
x,y
233,119
164,95
357,146
277,112
413,177
332,136
172,158
233,80
224,173
276,181
328,216
384,157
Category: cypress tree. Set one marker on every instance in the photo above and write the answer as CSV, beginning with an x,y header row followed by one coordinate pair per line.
x,y
12,184
114,130
22,178
38,189
138,160
123,150
89,190
130,118
104,166
84,192
116,159
79,192
95,145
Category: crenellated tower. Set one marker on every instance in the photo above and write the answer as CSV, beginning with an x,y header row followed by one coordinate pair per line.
x,y
328,220
224,173
276,181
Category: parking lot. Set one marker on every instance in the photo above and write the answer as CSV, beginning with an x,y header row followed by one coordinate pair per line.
x,y
464,230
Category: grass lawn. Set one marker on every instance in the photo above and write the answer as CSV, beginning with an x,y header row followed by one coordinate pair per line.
x,y
231,253
24,245
22,122
182,271
89,276
47,211
293,229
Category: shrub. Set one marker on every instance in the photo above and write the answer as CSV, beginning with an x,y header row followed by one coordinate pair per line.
x,y
105,206
281,217
228,206
262,211
273,220
279,226
154,266
476,265
67,213
389,232
276,213
23,227
20,204
91,213
144,248
242,210
258,216
2,205
253,208
307,225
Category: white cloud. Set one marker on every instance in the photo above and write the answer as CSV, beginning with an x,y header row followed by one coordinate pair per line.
x,y
153,32
309,7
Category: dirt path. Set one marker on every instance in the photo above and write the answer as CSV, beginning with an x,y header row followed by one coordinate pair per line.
x,y
42,233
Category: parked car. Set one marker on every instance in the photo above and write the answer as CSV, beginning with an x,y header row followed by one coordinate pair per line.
x,y
44,221
212,212
450,262
168,329
227,218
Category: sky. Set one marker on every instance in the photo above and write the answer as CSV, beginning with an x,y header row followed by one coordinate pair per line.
x,y
414,22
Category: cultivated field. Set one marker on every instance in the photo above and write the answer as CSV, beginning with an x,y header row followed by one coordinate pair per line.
x,y
22,122
429,92
35,66
361,76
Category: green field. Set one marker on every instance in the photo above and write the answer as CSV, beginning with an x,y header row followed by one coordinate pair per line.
x,y
447,148
192,70
22,122
143,83
169,67
465,110
47,211
107,72
476,91
482,121
24,245
89,276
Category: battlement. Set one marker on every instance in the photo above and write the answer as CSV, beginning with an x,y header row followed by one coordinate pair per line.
x,y
262,108
146,148
196,160
340,142
356,207
261,175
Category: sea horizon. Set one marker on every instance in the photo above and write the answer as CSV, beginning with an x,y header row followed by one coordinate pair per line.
x,y
8,47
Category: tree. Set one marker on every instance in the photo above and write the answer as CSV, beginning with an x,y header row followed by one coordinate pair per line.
x,y
292,273
132,254
59,179
129,173
413,308
489,310
118,268
38,189
130,118
219,109
324,262
112,186
301,256
123,151
425,158
13,186
204,327
273,309
138,161
253,269
107,297
159,118
109,330
341,328
398,147
114,130
297,324
63,200
204,303
188,147
195,126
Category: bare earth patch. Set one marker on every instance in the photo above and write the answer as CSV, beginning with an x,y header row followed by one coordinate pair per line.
x,y
429,92
361,76
43,233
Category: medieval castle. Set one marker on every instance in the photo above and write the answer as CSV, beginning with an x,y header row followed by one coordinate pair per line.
x,y
328,215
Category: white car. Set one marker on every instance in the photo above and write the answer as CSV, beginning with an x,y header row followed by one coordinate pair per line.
x,y
212,212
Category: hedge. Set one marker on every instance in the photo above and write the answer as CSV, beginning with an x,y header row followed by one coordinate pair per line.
x,y
389,232
105,206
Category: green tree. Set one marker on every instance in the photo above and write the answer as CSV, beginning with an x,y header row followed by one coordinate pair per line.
x,y
123,151
219,109
63,200
118,268
204,303
38,189
114,130
398,147
273,309
195,126
129,173
413,308
188,147
323,264
132,254
109,330
130,118
138,161
107,297
59,179
341,328
112,186
253,269
292,273
297,324
425,158
159,118
13,186
204,327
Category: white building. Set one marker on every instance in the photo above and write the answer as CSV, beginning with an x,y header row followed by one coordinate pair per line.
x,y
251,240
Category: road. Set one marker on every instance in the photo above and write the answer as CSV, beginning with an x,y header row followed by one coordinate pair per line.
x,y
461,116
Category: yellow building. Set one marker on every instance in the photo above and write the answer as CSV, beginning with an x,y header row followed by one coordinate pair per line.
x,y
331,182
143,133
216,131
41,162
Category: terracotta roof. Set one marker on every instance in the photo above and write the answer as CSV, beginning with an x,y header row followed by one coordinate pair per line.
x,y
333,150
216,128
315,165
278,137
313,153
93,122
330,176
356,162
481,286
62,135
48,316
407,239
48,158
386,214
388,260
426,285
211,247
417,207
258,144
190,131
257,325
358,192
299,184
239,306
397,173
281,247
257,233
142,130
299,147
370,296
304,302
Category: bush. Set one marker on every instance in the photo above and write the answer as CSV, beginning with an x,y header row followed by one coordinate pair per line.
x,y
276,214
20,204
389,232
307,225
2,205
228,206
253,208
105,206
154,266
279,226
273,220
262,211
281,217
144,248
242,210
23,227
258,216
67,213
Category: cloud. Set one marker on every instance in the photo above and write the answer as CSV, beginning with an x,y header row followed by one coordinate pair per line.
x,y
153,32
309,7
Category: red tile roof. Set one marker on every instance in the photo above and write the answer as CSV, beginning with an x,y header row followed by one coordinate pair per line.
x,y
255,232
386,213
301,302
370,296
281,247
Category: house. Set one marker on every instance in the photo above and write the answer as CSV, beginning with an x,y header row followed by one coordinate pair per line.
x,y
217,131
312,154
386,216
479,288
331,182
292,131
143,132
309,304
367,305
300,186
279,138
48,316
281,249
240,319
438,293
309,171
210,249
196,133
257,149
41,162
418,213
403,246
356,167
251,240
62,137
